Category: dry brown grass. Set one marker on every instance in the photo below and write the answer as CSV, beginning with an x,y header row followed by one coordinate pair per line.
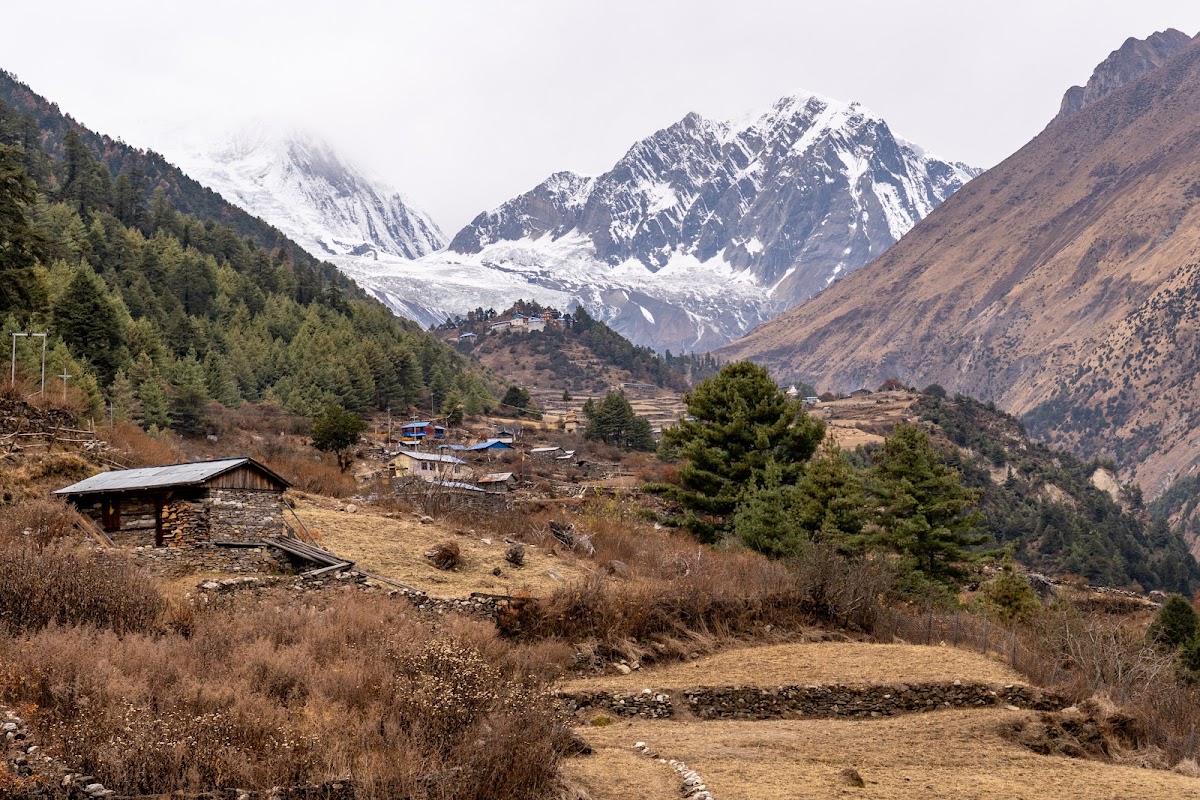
x,y
813,663
264,692
395,547
957,755
611,773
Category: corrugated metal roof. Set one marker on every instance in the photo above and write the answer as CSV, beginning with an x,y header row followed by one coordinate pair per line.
x,y
431,457
543,450
495,477
490,443
414,425
160,477
456,485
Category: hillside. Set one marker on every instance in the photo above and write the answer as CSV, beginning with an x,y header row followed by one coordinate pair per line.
x,y
155,313
1057,513
572,352
1061,284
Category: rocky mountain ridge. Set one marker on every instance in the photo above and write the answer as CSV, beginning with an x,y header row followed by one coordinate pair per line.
x,y
1130,61
1061,284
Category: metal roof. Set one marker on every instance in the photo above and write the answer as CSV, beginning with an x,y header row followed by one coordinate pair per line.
x,y
543,450
127,480
414,425
430,457
456,485
490,443
495,477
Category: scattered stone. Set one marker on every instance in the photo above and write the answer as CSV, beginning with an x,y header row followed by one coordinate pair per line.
x,y
515,555
618,568
555,576
445,555
624,669
850,777
497,572
351,509
426,520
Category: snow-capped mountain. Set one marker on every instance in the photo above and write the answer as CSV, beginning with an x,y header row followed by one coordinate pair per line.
x,y
701,231
298,184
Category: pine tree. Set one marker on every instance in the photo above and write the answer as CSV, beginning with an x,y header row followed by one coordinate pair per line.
x,y
22,244
218,379
122,395
88,322
923,509
828,503
613,422
189,405
151,394
740,423
337,430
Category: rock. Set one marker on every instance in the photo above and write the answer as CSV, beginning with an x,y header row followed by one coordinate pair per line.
x,y
445,555
497,572
515,555
426,520
624,669
351,509
210,586
618,568
555,576
563,532
850,777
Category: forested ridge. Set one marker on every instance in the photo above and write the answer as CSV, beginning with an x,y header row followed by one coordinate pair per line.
x,y
1042,502
155,311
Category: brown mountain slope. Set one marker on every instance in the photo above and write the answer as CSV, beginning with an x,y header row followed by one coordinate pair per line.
x,y
1063,284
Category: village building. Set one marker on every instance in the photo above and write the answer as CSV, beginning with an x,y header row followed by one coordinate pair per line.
x,y
417,431
490,446
232,499
462,337
428,466
571,422
497,482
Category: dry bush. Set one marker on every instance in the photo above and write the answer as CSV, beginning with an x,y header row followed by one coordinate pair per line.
x,y
272,694
315,476
40,521
57,583
139,448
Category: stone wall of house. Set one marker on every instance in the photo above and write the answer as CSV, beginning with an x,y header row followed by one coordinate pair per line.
x,y
244,515
185,522
137,522
785,702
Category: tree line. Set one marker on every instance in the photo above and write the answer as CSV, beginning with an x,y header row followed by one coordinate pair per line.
x,y
155,313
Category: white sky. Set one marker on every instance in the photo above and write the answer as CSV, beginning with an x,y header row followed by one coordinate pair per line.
x,y
463,104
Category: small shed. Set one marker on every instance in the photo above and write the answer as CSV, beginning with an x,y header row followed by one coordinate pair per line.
x,y
428,466
490,445
231,499
497,482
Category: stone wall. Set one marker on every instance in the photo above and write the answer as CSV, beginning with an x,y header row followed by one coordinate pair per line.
x,y
244,515
785,702
185,522
206,557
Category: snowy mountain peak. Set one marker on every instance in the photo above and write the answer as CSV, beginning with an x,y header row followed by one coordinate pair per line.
x,y
701,230
296,181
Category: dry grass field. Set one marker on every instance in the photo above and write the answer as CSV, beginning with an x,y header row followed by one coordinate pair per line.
x,y
812,663
395,547
857,421
956,755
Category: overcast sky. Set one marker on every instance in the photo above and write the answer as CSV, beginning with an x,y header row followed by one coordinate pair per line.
x,y
462,105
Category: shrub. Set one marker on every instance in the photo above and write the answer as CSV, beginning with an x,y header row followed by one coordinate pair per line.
x,y
1175,623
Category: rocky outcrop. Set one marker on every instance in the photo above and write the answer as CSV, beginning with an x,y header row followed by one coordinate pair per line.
x,y
1129,62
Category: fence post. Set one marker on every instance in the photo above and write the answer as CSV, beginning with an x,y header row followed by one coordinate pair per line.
x,y
985,633
957,622
929,627
1191,745
1012,657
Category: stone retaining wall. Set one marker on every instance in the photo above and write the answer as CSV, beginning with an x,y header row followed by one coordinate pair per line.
x,y
211,558
784,702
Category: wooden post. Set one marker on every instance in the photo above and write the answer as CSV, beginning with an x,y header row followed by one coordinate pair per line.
x,y
159,503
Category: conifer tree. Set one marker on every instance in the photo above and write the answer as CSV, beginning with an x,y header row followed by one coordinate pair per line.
x,y
189,406
88,322
22,244
123,398
923,510
151,394
740,423
613,422
219,380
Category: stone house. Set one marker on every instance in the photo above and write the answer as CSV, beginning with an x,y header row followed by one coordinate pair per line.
x,y
428,466
232,499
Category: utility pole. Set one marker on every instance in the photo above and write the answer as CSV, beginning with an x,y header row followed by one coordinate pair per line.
x,y
43,336
64,377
